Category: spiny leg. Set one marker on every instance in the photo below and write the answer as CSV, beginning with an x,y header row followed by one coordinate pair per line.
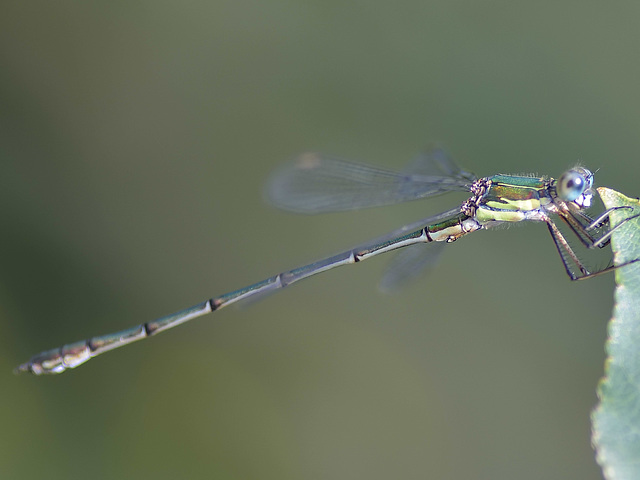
x,y
608,269
563,247
576,219
607,236
582,231
601,220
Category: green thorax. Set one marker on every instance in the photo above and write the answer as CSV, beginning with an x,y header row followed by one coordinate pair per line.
x,y
509,198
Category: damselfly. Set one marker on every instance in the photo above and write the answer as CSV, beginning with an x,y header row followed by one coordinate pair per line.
x,y
317,184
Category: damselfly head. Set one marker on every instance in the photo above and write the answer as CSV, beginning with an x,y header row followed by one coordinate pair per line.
x,y
575,186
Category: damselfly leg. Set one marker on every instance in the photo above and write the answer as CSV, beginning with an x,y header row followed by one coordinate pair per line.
x,y
583,233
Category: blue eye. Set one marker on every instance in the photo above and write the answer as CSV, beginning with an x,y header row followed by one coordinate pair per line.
x,y
571,185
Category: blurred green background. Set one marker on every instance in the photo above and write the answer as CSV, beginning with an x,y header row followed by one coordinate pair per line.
x,y
135,140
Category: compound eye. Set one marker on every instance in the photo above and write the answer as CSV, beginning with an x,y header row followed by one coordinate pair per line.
x,y
571,185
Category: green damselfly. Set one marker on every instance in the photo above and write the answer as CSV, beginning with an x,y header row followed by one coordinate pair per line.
x,y
316,184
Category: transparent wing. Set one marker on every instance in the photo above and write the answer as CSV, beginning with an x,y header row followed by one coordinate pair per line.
x,y
409,264
435,161
412,262
316,183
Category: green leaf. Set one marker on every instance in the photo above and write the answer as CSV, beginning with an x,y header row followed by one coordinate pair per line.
x,y
616,419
